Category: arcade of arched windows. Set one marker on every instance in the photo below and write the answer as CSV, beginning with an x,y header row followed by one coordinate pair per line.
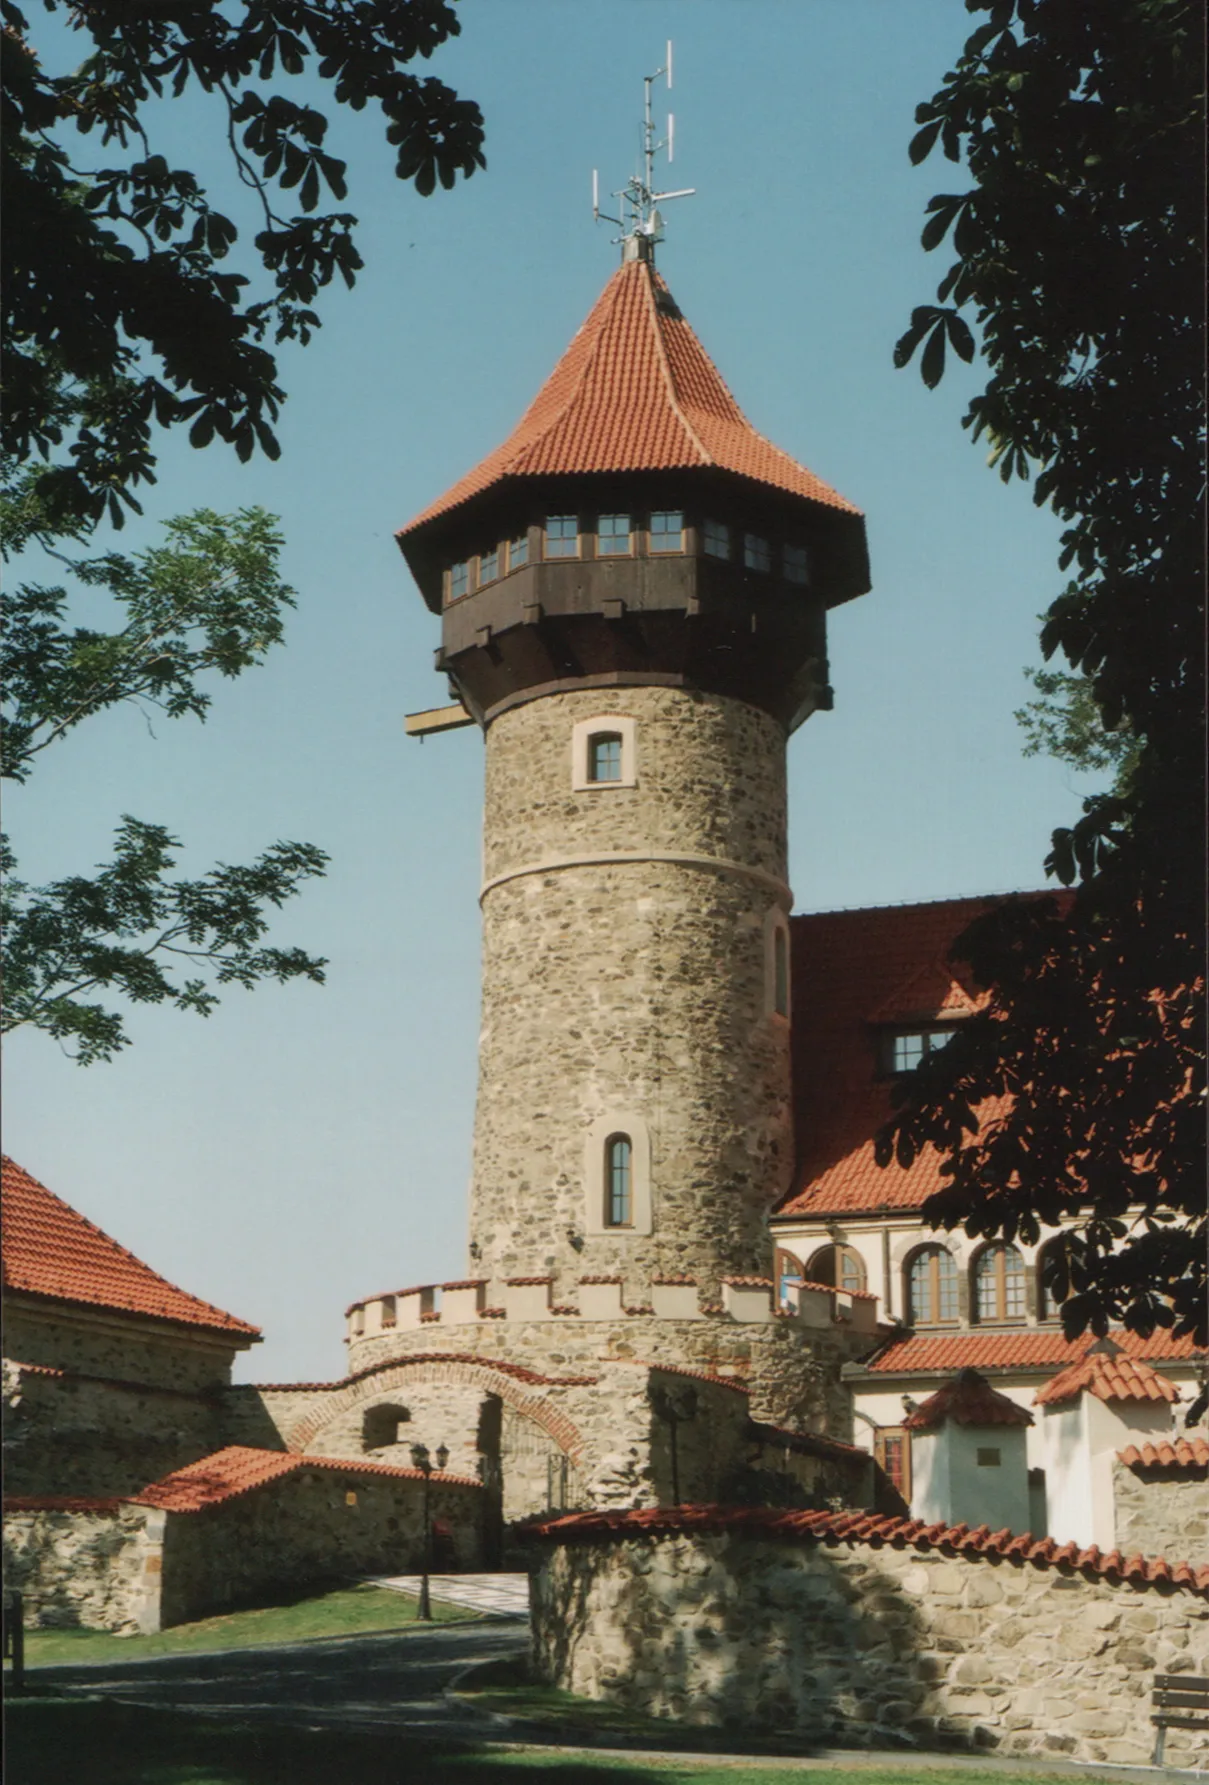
x,y
997,1288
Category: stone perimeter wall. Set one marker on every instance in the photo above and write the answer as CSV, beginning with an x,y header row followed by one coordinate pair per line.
x,y
632,993
1161,1512
867,1646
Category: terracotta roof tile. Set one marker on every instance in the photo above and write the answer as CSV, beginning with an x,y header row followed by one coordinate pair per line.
x,y
1026,1348
864,1527
854,974
59,1503
51,1250
1178,1453
1110,1378
241,1469
635,391
968,1400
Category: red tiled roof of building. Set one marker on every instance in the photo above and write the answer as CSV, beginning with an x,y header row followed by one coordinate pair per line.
x,y
240,1469
863,1527
968,1400
635,391
60,1503
1110,1378
1027,1348
855,973
51,1250
1176,1453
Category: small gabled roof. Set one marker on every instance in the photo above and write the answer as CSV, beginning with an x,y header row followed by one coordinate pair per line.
x,y
51,1250
242,1468
635,391
968,1400
1110,1375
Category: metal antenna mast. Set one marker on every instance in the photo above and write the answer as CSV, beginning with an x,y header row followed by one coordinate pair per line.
x,y
640,223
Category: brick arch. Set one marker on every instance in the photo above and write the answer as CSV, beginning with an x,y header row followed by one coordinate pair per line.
x,y
520,1395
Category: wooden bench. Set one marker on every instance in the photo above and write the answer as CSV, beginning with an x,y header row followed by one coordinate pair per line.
x,y
1176,1700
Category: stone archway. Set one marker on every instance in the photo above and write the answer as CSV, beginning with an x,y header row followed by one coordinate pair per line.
x,y
517,1388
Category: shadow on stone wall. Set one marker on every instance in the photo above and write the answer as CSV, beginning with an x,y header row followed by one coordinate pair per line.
x,y
681,1643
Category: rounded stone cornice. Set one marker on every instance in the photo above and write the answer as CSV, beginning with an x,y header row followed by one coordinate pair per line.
x,y
610,858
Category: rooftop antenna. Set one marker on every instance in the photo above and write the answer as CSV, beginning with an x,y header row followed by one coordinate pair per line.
x,y
640,223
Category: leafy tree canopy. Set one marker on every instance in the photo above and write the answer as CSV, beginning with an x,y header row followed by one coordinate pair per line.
x,y
1078,258
210,599
129,301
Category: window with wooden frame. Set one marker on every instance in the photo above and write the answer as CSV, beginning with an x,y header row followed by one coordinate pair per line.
x,y
459,580
613,536
604,756
562,536
715,539
999,1284
840,1266
795,564
932,1298
757,553
667,530
892,1450
489,565
518,551
903,1049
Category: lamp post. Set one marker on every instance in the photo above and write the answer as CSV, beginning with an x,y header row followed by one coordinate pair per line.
x,y
423,1461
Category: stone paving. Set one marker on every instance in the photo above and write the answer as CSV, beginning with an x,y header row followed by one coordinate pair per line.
x,y
494,1595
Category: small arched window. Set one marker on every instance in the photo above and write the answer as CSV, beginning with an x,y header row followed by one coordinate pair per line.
x,y
619,1181
380,1426
932,1288
1049,1305
841,1266
999,1284
604,756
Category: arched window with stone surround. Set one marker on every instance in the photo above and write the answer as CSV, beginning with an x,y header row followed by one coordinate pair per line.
x,y
998,1284
932,1287
619,1181
841,1266
380,1425
1049,1306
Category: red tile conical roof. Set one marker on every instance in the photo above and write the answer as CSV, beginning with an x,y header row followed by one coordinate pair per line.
x,y
635,391
1110,1377
968,1400
51,1250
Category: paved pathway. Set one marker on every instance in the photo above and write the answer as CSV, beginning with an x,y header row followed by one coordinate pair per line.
x,y
495,1595
392,1680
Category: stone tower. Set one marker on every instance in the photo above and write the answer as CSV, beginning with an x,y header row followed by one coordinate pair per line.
x,y
633,592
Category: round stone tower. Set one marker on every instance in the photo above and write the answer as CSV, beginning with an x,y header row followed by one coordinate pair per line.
x,y
633,592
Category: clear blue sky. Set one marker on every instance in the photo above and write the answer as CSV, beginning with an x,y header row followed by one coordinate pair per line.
x,y
307,1146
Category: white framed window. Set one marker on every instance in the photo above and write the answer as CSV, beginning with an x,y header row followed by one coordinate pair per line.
x,y
617,1175
562,536
757,554
459,580
518,551
777,987
613,536
667,530
715,539
489,565
604,753
906,1049
795,564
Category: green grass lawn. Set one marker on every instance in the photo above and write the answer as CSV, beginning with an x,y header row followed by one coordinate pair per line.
x,y
345,1612
90,1742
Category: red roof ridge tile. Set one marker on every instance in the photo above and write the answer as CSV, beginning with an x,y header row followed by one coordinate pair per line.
x,y
639,1363
53,1252
981,1543
1167,1453
1109,1378
968,1400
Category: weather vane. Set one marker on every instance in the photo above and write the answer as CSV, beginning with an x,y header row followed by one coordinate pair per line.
x,y
640,223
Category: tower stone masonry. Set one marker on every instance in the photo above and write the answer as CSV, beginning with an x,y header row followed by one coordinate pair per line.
x,y
633,593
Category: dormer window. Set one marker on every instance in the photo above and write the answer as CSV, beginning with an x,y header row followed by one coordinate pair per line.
x,y
518,551
756,552
667,531
562,536
907,1047
613,536
489,565
795,564
459,580
715,539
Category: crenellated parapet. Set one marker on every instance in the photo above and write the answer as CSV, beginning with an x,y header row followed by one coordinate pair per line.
x,y
745,1301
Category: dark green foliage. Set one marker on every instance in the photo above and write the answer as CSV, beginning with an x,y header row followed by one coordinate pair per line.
x,y
1079,252
1065,722
126,306
208,600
